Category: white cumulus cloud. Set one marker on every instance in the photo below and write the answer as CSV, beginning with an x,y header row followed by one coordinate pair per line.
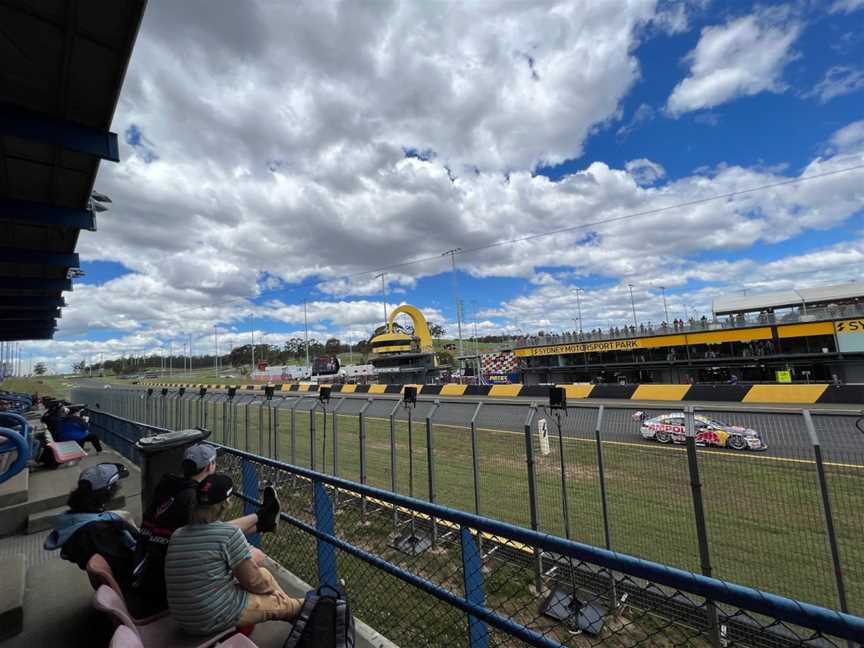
x,y
743,57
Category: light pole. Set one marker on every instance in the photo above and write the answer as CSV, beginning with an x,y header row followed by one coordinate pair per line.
x,y
579,308
216,350
452,254
665,308
632,304
383,296
252,332
306,328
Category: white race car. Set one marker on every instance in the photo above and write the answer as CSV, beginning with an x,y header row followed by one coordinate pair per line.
x,y
670,428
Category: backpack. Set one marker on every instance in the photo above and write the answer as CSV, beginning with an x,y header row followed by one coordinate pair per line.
x,y
325,621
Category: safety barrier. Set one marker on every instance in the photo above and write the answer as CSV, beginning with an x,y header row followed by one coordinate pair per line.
x,y
762,394
798,502
427,575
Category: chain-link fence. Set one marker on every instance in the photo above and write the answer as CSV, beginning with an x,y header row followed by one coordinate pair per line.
x,y
787,519
445,577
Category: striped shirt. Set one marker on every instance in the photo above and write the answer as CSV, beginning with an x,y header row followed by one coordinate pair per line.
x,y
202,594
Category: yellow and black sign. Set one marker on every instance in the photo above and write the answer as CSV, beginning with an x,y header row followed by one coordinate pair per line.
x,y
850,335
850,326
784,376
583,347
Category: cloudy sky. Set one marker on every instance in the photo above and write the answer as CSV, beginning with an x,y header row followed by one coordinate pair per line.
x,y
275,153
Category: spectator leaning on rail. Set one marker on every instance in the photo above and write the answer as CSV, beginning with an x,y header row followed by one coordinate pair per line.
x,y
171,508
212,582
87,529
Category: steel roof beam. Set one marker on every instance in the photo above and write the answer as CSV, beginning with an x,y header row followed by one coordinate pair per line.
x,y
34,283
39,257
28,325
66,134
31,301
33,213
45,334
24,314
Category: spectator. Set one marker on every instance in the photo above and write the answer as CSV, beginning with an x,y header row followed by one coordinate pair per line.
x,y
73,426
212,582
704,322
171,508
87,529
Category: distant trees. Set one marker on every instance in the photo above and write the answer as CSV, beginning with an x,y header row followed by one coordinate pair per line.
x,y
437,331
40,368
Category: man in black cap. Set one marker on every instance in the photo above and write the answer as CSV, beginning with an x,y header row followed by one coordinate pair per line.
x,y
212,582
87,529
171,508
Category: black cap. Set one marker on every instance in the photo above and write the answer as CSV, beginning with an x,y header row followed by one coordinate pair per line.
x,y
215,488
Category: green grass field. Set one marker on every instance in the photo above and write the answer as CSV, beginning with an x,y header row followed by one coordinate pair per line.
x,y
764,516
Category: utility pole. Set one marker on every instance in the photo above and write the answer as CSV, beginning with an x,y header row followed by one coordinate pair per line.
x,y
350,350
579,308
452,254
216,352
170,358
383,294
252,332
190,354
665,308
632,304
306,328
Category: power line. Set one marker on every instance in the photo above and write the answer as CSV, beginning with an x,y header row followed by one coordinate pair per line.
x,y
532,237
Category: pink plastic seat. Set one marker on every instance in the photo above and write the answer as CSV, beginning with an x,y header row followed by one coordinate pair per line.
x,y
99,572
237,641
125,638
162,633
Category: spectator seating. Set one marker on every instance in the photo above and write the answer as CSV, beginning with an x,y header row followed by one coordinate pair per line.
x,y
99,573
162,633
126,638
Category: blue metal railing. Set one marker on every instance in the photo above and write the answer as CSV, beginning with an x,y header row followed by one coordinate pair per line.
x,y
781,620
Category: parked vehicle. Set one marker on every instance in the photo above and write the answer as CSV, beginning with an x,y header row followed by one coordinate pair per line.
x,y
670,428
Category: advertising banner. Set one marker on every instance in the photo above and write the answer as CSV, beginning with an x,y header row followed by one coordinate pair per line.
x,y
850,335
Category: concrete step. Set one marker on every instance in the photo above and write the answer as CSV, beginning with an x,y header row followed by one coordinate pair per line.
x,y
14,491
44,520
12,588
49,489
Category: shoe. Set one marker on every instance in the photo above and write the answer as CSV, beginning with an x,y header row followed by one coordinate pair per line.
x,y
268,514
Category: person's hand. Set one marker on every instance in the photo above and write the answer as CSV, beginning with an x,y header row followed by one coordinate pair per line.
x,y
281,597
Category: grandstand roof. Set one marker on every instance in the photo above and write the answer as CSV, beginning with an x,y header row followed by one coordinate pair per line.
x,y
62,65
788,298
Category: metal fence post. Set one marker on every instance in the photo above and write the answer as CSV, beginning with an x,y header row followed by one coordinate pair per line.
x,y
361,416
472,575
294,431
275,437
475,461
312,435
250,489
829,516
533,504
699,515
430,462
324,524
261,429
604,500
335,427
393,468
246,426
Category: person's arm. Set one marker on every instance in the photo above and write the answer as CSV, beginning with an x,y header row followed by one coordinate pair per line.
x,y
250,578
239,558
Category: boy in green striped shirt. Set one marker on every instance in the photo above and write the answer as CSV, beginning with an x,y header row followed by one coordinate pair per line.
x,y
212,582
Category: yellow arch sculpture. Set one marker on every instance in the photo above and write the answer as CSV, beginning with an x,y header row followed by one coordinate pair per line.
x,y
391,342
421,328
